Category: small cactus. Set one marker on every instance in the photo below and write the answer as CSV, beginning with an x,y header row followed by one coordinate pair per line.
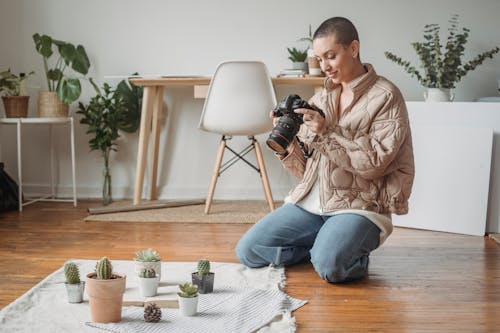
x,y
188,290
72,273
147,273
203,267
104,269
147,255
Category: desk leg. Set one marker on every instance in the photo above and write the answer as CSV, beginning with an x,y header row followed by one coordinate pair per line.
x,y
157,108
51,142
147,103
19,167
73,159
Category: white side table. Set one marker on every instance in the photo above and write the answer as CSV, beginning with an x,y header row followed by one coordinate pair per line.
x,y
19,122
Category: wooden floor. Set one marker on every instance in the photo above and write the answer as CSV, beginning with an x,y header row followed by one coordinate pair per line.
x,y
419,281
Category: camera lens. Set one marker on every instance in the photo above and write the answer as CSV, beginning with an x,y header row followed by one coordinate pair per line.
x,y
282,135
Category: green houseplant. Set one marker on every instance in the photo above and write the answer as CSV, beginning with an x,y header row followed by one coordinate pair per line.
x,y
148,259
108,112
74,286
203,278
59,58
313,66
188,299
297,57
442,63
15,98
105,289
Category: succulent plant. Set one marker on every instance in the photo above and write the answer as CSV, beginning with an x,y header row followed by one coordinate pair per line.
x,y
188,290
147,273
203,267
71,273
147,255
104,269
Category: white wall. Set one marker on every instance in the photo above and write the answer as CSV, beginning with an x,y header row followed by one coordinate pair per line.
x,y
191,37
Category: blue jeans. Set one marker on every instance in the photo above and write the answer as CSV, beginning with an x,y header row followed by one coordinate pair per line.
x,y
338,246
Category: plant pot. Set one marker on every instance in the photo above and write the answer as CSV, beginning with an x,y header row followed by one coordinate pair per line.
x,y
49,105
205,282
148,286
188,306
75,292
438,95
300,65
16,106
106,297
140,265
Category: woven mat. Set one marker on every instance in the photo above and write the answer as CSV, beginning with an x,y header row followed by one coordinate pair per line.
x,y
44,308
237,211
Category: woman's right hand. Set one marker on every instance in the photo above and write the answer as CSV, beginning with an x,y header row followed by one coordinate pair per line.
x,y
275,119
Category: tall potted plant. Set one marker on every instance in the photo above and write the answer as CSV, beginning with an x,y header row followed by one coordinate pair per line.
x,y
15,99
443,69
63,89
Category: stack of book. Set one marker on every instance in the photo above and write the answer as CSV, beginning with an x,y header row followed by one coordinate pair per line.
x,y
292,73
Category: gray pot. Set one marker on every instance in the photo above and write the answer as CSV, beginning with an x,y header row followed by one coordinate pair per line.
x,y
75,292
205,282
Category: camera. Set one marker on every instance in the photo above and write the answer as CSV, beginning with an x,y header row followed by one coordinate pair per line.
x,y
284,132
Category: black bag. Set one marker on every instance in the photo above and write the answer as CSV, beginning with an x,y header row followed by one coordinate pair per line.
x,y
9,192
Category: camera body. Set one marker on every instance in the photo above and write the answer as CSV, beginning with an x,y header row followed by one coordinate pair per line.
x,y
288,126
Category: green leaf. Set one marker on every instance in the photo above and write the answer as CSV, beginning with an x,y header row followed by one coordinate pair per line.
x,y
69,90
81,62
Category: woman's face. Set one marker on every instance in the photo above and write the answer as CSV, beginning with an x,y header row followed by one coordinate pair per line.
x,y
336,60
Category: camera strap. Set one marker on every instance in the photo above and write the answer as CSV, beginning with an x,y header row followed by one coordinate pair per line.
x,y
305,153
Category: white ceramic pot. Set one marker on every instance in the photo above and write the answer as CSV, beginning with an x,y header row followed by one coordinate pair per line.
x,y
156,265
148,286
438,95
188,306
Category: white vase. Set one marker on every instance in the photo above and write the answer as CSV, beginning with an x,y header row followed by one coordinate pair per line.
x,y
188,306
140,265
148,286
438,95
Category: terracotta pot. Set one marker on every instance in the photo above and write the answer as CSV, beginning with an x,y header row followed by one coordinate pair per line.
x,y
49,105
106,297
16,106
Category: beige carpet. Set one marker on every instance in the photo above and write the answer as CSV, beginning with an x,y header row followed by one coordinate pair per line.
x,y
240,211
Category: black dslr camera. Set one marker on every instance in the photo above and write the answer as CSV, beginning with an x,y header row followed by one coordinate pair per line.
x,y
283,133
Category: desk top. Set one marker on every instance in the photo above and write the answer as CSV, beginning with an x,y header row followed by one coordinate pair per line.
x,y
35,120
205,80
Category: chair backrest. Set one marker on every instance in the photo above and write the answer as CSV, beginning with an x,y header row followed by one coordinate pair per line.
x,y
239,99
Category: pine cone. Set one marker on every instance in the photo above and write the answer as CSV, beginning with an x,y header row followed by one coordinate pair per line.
x,y
152,313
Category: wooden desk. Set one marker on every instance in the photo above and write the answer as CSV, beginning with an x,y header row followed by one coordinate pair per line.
x,y
152,103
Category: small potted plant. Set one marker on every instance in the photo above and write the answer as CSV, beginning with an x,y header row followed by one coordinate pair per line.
x,y
74,287
149,259
298,58
443,69
62,88
148,282
203,278
188,299
105,289
313,66
15,99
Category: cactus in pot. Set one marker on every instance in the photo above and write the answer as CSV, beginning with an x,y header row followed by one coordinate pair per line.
x,y
203,278
148,282
105,289
148,258
74,287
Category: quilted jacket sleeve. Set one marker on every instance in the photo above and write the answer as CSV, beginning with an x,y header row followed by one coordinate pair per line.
x,y
367,154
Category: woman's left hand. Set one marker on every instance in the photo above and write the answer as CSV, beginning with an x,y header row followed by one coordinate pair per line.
x,y
312,119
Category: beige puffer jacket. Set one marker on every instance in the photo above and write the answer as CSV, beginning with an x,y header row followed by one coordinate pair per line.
x,y
367,154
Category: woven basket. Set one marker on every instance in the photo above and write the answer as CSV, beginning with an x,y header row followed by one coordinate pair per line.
x,y
49,105
16,106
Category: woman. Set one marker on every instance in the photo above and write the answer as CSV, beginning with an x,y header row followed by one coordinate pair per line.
x,y
358,169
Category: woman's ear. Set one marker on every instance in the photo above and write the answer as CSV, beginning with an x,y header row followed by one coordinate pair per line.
x,y
354,48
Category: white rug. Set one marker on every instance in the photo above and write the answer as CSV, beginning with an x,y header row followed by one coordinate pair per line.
x,y
45,308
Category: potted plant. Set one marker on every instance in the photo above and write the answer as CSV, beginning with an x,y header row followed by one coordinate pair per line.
x,y
298,58
148,282
62,88
149,259
443,69
203,278
313,67
188,299
105,289
106,114
152,313
15,99
74,287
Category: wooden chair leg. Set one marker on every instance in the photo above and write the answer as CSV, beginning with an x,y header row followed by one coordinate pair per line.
x,y
263,174
215,175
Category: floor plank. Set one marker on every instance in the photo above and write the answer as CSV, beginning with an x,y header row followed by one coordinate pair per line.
x,y
419,281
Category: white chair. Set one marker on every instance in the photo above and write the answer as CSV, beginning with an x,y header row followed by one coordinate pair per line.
x,y
239,99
